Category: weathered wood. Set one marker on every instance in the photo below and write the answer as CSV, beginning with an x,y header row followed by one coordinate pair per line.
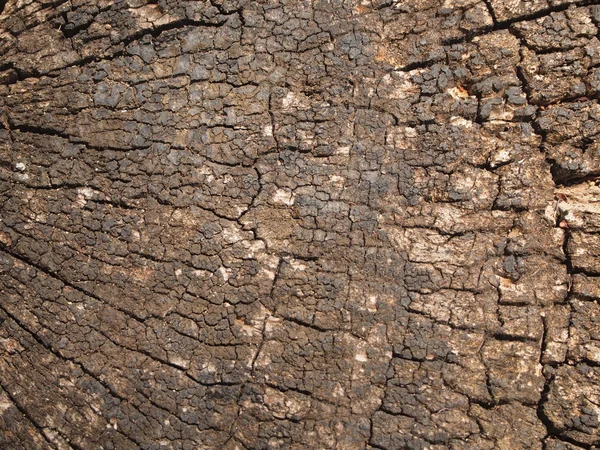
x,y
293,224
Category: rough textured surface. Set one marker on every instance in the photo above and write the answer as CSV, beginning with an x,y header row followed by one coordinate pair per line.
x,y
341,224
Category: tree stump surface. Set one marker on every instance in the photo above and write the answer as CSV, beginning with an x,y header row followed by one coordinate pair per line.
x,y
293,224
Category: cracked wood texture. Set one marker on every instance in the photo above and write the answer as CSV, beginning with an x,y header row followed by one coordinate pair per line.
x,y
294,224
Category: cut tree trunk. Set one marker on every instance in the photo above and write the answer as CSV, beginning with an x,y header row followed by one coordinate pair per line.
x,y
294,224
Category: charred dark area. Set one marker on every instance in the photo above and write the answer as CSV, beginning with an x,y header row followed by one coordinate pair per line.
x,y
293,224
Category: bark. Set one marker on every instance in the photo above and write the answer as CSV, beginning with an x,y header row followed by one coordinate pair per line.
x,y
293,224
